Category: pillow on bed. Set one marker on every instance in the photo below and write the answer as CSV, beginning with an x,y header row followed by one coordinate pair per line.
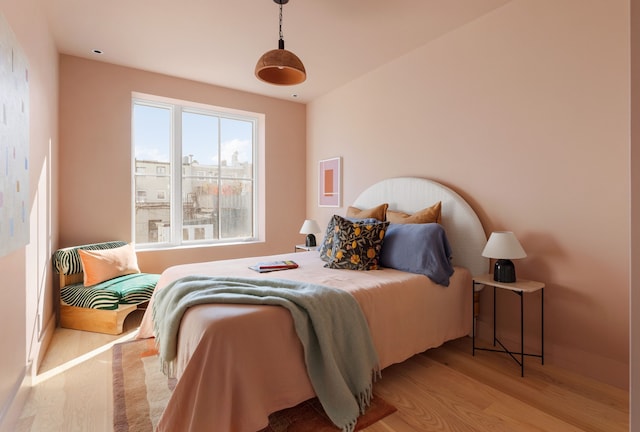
x,y
427,215
105,264
356,244
327,242
379,212
418,248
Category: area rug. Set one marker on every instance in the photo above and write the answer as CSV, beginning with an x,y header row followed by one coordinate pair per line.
x,y
141,391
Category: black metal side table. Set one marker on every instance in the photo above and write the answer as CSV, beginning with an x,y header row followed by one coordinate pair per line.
x,y
520,287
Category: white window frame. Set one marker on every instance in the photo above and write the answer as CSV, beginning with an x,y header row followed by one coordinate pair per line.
x,y
177,107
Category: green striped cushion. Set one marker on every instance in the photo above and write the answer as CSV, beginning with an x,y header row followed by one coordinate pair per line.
x,y
67,260
129,289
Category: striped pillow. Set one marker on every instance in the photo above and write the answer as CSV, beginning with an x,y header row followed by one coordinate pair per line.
x,y
130,289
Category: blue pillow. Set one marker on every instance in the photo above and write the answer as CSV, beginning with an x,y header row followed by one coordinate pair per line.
x,y
418,248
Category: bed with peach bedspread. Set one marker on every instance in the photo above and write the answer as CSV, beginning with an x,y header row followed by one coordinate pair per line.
x,y
237,364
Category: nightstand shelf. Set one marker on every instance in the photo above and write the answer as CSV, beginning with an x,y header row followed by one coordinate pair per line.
x,y
520,288
302,247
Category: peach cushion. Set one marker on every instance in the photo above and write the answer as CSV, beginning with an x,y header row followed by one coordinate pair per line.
x,y
379,212
428,215
105,264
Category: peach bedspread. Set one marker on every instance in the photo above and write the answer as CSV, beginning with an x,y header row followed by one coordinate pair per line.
x,y
238,363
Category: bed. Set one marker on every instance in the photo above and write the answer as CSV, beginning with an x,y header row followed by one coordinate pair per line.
x,y
236,364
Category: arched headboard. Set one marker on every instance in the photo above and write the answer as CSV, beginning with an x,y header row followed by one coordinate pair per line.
x,y
463,228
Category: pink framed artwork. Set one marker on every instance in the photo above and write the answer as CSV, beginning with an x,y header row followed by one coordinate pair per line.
x,y
329,183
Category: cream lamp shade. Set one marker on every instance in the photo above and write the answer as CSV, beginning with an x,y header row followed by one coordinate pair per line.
x,y
503,246
310,227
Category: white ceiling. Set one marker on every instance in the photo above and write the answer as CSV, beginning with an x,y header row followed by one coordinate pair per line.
x,y
219,42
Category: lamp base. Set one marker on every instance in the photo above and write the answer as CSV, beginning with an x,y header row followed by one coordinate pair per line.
x,y
310,240
504,271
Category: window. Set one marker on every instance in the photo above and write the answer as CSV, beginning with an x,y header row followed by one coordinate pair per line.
x,y
199,162
141,196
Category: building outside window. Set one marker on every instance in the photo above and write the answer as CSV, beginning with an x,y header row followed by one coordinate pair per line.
x,y
194,173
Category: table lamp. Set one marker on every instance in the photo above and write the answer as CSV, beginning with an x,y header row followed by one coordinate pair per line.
x,y
310,227
503,246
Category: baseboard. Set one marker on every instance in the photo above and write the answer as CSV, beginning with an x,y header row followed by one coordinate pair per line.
x,y
45,340
588,364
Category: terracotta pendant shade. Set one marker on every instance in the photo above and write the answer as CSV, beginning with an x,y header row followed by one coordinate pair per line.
x,y
280,66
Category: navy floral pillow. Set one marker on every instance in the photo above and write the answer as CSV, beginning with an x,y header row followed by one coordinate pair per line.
x,y
327,243
356,244
326,248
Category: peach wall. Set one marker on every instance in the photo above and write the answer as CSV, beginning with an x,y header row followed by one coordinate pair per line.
x,y
26,312
525,113
95,158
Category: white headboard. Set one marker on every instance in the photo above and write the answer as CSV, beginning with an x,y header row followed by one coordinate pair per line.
x,y
463,228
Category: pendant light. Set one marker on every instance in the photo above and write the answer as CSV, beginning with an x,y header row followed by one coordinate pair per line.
x,y
279,66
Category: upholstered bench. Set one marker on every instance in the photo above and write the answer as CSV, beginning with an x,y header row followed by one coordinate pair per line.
x,y
100,284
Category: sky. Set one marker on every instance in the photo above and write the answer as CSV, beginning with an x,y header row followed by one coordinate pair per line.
x,y
152,136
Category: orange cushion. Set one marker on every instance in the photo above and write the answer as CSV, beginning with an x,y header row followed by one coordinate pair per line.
x,y
428,215
378,212
105,264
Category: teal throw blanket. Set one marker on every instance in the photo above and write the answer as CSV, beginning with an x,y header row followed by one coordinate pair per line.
x,y
341,360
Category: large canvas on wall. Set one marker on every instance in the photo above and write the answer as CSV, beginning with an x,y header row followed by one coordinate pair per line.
x,y
14,142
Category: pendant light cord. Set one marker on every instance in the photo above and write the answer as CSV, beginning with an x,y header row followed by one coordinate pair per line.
x,y
281,38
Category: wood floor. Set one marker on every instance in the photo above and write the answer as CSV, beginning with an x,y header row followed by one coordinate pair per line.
x,y
445,389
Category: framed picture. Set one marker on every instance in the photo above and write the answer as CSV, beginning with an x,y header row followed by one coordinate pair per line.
x,y
329,182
